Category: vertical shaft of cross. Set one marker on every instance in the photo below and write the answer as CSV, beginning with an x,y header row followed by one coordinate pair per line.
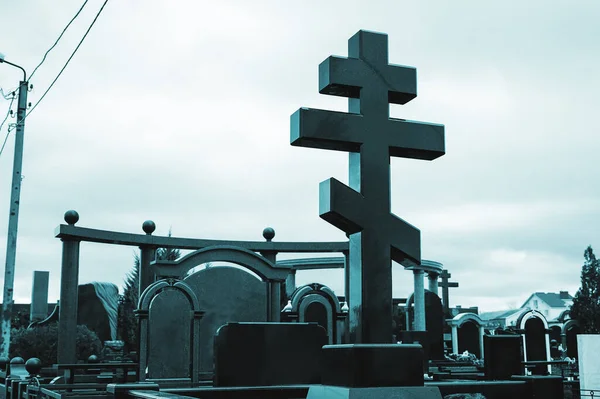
x,y
370,302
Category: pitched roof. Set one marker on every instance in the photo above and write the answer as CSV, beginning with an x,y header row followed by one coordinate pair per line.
x,y
500,314
553,299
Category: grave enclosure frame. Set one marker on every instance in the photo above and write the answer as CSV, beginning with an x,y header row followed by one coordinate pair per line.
x,y
208,250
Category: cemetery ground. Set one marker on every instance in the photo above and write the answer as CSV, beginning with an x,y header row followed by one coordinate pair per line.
x,y
247,331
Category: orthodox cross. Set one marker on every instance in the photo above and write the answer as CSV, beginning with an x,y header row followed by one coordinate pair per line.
x,y
445,285
363,210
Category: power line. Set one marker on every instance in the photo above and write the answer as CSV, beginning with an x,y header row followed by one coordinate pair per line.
x,y
66,63
2,124
11,93
57,40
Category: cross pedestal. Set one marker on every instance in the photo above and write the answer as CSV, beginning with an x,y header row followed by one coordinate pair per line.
x,y
363,209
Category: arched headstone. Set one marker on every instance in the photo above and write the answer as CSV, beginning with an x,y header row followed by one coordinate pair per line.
x,y
571,332
467,334
536,340
227,295
169,316
468,338
535,334
318,303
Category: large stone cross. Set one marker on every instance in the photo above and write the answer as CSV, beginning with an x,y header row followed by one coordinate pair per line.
x,y
363,210
445,284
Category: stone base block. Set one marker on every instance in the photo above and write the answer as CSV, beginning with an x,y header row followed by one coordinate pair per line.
x,y
372,365
328,392
547,386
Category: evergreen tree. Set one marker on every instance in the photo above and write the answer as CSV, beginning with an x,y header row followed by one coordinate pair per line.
x,y
127,322
586,304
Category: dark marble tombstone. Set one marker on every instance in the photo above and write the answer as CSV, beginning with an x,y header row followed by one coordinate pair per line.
x,y
468,338
169,329
555,333
535,340
502,356
434,323
317,303
226,295
169,323
572,333
317,313
266,354
97,309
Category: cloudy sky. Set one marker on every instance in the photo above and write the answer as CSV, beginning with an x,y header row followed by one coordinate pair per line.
x,y
178,111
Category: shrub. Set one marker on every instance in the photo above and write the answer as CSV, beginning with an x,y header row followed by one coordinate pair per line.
x,y
42,342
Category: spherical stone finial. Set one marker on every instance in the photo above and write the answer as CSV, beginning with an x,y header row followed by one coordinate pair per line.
x,y
268,233
17,360
3,362
33,366
71,217
93,359
148,226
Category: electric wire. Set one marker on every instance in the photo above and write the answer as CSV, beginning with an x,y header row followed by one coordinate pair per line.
x,y
57,40
2,124
64,66
9,94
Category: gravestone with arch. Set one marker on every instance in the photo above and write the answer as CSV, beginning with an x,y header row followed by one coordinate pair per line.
x,y
207,250
317,303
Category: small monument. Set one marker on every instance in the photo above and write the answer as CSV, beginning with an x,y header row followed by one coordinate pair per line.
x,y
39,296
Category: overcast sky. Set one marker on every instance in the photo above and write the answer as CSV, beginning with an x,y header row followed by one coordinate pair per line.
x,y
178,111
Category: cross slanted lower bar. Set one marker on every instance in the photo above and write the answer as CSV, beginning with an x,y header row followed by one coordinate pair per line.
x,y
363,210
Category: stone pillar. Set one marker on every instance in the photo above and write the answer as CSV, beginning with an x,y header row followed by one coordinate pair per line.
x,y
274,301
39,296
347,278
481,334
419,300
433,282
454,339
147,256
274,294
69,282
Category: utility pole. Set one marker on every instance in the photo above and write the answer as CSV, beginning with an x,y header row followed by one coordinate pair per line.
x,y
13,219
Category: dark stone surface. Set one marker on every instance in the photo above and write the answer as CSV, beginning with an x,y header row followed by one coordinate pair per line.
x,y
363,209
372,365
489,389
328,392
468,338
169,339
421,338
502,356
535,342
121,391
572,342
92,313
434,323
546,387
266,354
317,313
227,295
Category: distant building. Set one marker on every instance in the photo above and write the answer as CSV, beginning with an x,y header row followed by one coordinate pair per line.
x,y
552,305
